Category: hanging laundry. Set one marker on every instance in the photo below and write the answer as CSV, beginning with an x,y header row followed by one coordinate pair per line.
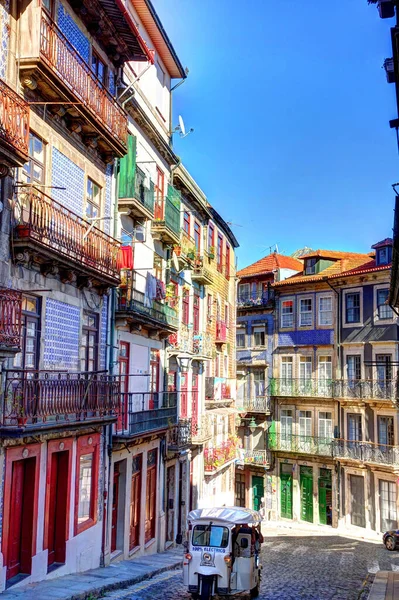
x,y
161,290
125,257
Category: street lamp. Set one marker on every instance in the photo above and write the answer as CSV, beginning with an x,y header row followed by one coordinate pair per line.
x,y
183,362
252,425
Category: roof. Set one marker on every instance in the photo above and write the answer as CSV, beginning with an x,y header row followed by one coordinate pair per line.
x,y
159,37
386,242
233,514
334,254
348,262
223,225
370,267
271,263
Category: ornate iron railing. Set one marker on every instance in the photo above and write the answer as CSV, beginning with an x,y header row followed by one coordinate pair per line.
x,y
142,412
65,234
34,398
336,388
14,119
254,300
256,404
132,300
221,331
200,273
10,318
302,444
302,387
167,215
366,452
253,457
195,342
179,436
215,458
61,56
201,429
145,195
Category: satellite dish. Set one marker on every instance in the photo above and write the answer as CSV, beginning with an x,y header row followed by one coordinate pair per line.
x,y
181,124
175,261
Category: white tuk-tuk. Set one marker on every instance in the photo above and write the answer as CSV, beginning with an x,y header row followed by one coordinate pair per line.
x,y
222,552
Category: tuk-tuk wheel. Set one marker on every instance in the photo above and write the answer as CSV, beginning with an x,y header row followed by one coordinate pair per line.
x,y
255,591
206,588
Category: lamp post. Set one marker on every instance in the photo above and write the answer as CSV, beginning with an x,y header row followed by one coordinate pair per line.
x,y
183,361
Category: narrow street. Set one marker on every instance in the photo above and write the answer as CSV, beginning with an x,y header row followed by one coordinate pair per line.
x,y
314,568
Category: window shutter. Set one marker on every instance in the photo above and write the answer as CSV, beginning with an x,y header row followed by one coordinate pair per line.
x,y
174,196
127,171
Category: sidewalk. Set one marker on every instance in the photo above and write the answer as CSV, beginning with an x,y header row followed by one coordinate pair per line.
x,y
93,584
270,528
385,586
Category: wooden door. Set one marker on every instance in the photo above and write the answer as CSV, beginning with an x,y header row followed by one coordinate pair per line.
x,y
258,491
21,522
194,406
306,481
286,491
170,508
57,518
325,497
358,514
151,493
135,503
115,500
183,395
124,356
240,489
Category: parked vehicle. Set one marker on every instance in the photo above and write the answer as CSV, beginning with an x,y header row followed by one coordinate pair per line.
x,y
222,552
391,539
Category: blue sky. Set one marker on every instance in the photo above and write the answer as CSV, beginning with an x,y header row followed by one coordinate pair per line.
x,y
291,113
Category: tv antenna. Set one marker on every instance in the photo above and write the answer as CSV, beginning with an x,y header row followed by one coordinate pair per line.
x,y
182,129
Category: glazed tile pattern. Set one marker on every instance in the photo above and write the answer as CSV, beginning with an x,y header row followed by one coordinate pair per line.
x,y
65,174
4,31
61,338
103,334
73,34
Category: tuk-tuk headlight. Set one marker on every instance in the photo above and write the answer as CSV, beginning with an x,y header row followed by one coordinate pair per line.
x,y
227,560
188,556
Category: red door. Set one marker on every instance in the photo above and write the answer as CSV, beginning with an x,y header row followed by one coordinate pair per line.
x,y
154,379
150,503
183,395
115,500
57,524
135,503
19,551
124,355
196,318
194,408
159,195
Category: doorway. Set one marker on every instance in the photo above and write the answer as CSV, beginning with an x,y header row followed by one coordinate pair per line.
x,y
258,490
358,514
306,478
135,502
58,511
325,497
170,508
115,502
286,490
20,536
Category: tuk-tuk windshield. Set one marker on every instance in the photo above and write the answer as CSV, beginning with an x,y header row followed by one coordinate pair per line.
x,y
214,536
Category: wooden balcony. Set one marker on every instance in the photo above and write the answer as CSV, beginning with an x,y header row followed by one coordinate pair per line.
x,y
133,307
133,193
300,444
14,127
366,452
10,321
144,413
49,63
166,223
200,273
62,242
43,400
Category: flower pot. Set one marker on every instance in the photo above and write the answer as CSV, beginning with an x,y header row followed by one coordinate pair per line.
x,y
177,250
22,421
22,231
211,255
191,255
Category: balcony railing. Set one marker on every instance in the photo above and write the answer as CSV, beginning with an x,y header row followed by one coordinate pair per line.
x,y
133,191
336,388
221,331
200,273
201,430
188,340
143,412
167,220
254,404
216,458
38,399
74,73
10,319
14,125
179,436
218,389
366,452
302,444
60,234
254,300
133,301
257,458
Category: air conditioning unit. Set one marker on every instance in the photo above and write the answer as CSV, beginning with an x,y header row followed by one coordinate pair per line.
x,y
386,9
389,70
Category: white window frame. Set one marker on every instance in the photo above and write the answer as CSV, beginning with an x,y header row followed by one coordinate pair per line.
x,y
320,312
308,312
379,250
259,329
241,331
326,420
382,286
282,300
357,290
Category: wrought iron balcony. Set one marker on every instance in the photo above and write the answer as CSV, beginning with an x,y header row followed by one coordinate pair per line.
x,y
221,332
56,237
178,436
201,430
166,223
10,321
218,389
200,273
14,127
134,306
134,193
367,452
49,63
255,300
313,388
254,404
192,342
255,458
52,399
300,444
145,412
217,458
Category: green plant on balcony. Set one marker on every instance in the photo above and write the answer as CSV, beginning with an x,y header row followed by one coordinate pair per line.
x,y
191,252
211,252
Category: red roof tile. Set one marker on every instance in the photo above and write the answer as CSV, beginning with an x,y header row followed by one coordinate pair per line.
x,y
369,267
270,263
386,242
334,254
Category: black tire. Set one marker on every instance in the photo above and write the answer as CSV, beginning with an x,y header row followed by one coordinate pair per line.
x,y
255,591
390,543
206,588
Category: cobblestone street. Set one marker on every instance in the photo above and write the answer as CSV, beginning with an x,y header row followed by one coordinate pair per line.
x,y
318,568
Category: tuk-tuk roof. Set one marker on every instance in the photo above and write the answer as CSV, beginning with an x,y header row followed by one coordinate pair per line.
x,y
232,514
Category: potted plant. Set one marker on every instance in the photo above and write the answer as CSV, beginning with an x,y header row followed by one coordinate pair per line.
x,y
177,250
191,253
211,251
18,410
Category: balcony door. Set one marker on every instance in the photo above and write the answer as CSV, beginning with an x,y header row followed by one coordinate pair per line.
x,y
384,375
305,431
286,429
196,312
353,365
28,358
357,508
354,427
124,357
135,502
305,374
259,385
386,435
154,379
183,395
286,375
324,375
194,405
388,507
89,348
159,195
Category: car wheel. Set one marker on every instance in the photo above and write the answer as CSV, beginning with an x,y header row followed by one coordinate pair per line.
x,y
390,543
255,591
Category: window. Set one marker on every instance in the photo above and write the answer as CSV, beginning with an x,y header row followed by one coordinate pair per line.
x,y
305,423
197,236
259,336
240,338
93,200
209,304
305,374
384,371
89,348
353,307
353,367
196,313
305,312
159,195
86,482
386,433
325,425
310,266
227,315
227,271
383,256
287,313
186,307
259,383
211,238
48,5
28,358
220,253
243,292
160,100
325,310
151,495
388,505
33,171
383,308
354,427
98,67
214,536
186,222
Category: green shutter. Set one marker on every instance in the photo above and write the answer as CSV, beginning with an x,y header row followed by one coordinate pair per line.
x,y
127,171
272,436
174,196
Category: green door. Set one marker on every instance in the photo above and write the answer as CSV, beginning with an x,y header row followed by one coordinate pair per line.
x,y
325,497
286,490
306,475
258,490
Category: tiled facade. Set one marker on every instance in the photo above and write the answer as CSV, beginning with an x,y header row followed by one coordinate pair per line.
x,y
73,33
61,336
68,181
